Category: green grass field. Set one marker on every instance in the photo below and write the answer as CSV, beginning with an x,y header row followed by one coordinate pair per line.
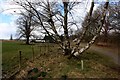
x,y
95,65
10,54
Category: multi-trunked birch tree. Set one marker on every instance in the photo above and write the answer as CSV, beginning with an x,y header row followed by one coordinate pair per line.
x,y
53,15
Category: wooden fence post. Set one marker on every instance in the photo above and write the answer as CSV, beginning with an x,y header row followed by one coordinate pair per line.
x,y
45,47
33,53
20,58
48,46
40,49
82,64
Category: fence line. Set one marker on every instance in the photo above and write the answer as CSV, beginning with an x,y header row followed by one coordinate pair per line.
x,y
42,48
20,58
33,53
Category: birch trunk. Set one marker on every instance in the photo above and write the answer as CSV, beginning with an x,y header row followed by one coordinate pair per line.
x,y
98,32
84,31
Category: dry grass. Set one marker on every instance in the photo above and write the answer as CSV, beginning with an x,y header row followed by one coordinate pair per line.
x,y
56,65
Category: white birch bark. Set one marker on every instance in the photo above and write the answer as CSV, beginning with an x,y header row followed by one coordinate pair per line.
x,y
98,32
84,30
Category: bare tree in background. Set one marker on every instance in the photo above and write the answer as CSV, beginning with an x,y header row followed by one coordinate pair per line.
x,y
52,16
25,26
111,22
11,37
93,27
114,17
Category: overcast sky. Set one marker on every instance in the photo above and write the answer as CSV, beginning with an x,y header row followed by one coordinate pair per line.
x,y
7,25
8,17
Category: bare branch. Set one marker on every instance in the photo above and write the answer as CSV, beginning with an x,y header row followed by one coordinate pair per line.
x,y
98,31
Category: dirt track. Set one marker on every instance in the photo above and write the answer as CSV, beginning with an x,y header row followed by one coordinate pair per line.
x,y
113,53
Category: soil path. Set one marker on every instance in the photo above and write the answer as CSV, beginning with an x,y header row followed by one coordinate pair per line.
x,y
113,53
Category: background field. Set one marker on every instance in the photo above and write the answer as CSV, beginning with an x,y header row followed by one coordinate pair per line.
x,y
10,54
55,64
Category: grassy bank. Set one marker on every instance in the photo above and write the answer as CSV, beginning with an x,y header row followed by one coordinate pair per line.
x,y
55,64
10,54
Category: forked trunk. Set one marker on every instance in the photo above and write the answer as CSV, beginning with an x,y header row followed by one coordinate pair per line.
x,y
77,53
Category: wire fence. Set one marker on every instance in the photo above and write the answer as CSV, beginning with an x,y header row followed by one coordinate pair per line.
x,y
22,57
